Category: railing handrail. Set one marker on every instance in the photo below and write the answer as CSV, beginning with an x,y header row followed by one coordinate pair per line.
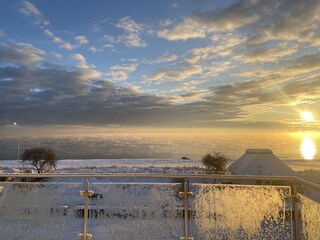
x,y
163,175
145,175
306,182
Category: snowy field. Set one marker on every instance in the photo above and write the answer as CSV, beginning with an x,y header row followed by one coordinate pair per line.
x,y
297,165
309,170
105,163
115,166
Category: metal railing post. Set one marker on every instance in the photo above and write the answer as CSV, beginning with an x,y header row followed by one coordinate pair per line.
x,y
296,220
185,195
86,194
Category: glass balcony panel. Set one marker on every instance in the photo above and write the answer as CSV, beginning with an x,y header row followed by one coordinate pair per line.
x,y
310,218
224,212
40,211
136,211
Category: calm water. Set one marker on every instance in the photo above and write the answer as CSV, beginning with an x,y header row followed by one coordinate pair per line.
x,y
167,145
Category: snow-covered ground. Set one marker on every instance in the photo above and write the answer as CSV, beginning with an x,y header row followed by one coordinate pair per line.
x,y
309,170
297,165
115,166
104,163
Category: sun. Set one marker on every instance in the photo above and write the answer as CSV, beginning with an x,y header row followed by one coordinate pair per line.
x,y
307,116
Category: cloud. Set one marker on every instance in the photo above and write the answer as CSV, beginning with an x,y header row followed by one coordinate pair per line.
x,y
98,25
131,36
61,43
166,22
289,20
56,56
250,98
199,55
2,33
237,15
53,93
81,40
215,69
193,96
47,93
94,49
302,65
110,39
109,46
174,74
188,28
121,72
48,33
29,10
227,41
268,54
67,46
82,61
162,59
224,45
259,21
133,30
129,25
251,67
20,53
201,24
253,74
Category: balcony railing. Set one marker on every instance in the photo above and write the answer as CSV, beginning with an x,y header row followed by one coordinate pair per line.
x,y
157,206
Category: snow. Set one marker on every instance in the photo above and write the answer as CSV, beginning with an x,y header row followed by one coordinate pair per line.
x,y
100,163
310,212
69,164
240,212
40,211
142,211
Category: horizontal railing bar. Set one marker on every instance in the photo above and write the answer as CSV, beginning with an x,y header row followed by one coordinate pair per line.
x,y
306,182
145,175
157,175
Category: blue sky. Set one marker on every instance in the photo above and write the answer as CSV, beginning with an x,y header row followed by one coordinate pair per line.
x,y
217,64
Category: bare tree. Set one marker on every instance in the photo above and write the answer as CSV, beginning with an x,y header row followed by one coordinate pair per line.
x,y
39,157
215,162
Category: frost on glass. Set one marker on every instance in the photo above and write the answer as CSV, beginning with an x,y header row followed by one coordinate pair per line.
x,y
40,211
310,218
136,211
240,212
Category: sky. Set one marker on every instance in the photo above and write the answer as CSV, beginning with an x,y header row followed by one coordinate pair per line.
x,y
161,64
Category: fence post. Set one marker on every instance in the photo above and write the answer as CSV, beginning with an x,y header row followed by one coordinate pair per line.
x,y
185,195
86,194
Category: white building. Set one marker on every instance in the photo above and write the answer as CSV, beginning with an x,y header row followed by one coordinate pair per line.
x,y
260,162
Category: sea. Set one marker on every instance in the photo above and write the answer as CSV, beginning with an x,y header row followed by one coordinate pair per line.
x,y
299,149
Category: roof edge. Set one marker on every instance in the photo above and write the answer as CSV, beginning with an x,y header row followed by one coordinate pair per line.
x,y
259,151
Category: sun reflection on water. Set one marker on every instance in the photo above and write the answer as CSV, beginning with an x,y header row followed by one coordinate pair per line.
x,y
308,148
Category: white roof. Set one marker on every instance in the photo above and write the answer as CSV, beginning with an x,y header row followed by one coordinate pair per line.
x,y
260,162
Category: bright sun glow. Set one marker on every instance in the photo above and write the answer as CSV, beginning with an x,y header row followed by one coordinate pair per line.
x,y
307,116
308,148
